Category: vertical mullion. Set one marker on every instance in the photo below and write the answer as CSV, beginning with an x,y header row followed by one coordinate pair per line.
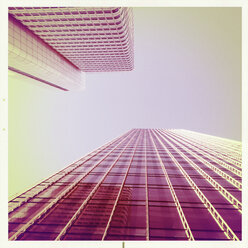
x,y
122,185
78,212
62,194
147,199
228,196
220,146
63,175
221,173
216,216
215,156
204,147
173,193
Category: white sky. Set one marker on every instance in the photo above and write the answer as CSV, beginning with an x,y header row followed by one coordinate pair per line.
x,y
187,75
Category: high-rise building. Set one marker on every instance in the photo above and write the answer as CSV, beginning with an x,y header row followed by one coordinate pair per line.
x,y
148,184
55,45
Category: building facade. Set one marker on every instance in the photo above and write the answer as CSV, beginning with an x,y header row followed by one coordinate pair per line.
x,y
148,184
32,57
92,39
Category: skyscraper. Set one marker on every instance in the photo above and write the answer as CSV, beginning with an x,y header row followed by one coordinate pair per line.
x,y
55,45
148,184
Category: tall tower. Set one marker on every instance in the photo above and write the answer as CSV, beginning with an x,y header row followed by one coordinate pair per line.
x,y
58,45
148,184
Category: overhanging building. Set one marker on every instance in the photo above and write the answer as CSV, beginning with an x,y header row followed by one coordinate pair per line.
x,y
148,184
57,45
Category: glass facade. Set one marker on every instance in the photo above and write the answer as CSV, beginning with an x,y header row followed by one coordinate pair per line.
x,y
148,184
92,39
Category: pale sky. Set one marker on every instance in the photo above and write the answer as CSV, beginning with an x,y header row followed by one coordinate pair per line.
x,y
187,75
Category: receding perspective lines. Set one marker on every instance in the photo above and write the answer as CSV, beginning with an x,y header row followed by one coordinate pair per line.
x,y
147,184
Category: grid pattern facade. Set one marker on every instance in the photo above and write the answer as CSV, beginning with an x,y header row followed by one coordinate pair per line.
x,y
32,57
93,39
148,184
